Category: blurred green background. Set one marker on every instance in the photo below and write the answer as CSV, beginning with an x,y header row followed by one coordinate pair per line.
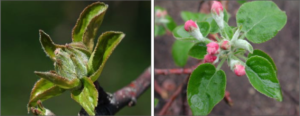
x,y
22,53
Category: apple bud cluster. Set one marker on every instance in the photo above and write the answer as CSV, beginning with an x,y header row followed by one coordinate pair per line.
x,y
225,47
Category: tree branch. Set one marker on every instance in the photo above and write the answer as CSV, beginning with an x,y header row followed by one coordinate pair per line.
x,y
177,70
110,104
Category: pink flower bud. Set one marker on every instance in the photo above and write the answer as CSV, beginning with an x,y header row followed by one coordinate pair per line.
x,y
239,70
209,58
212,48
225,45
160,13
217,7
190,25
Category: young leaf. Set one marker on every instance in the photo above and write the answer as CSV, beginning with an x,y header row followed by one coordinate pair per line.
x,y
227,31
226,16
261,20
106,44
81,47
240,43
264,55
180,50
59,80
88,23
47,44
43,90
198,17
87,97
181,34
171,23
198,50
214,28
206,88
262,77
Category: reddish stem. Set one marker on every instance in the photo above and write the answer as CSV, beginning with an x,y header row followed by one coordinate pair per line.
x,y
177,71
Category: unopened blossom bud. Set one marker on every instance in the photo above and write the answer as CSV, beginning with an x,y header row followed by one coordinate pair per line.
x,y
225,45
209,58
217,13
217,7
160,13
239,70
212,48
192,28
160,16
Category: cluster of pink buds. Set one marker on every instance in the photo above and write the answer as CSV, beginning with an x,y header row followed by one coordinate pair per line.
x,y
212,52
160,13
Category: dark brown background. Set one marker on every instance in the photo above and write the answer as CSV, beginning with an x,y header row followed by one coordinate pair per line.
x,y
283,48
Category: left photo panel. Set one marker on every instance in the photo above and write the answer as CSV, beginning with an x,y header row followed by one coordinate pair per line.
x,y
75,58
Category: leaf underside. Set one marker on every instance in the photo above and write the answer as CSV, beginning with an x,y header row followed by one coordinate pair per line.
x,y
87,97
88,23
43,90
106,44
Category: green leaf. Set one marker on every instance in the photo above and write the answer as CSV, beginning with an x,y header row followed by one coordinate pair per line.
x,y
87,97
262,77
159,30
171,24
47,44
198,17
226,16
198,50
88,23
227,31
106,44
204,28
214,28
206,88
59,80
241,1
180,50
43,90
264,55
158,8
181,34
260,20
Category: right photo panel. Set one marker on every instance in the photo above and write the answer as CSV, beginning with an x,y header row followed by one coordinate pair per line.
x,y
226,57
